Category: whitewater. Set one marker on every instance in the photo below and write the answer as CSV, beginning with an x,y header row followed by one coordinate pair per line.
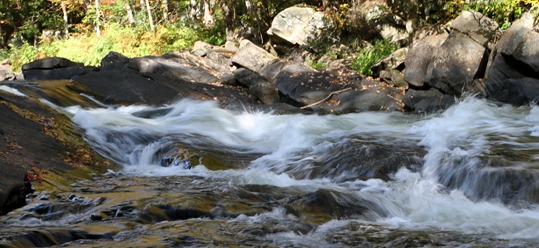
x,y
471,169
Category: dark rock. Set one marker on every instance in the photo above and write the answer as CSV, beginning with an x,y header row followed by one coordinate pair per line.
x,y
418,58
365,100
456,63
50,63
114,60
513,67
337,92
324,205
427,101
159,80
516,91
309,87
54,68
265,91
273,68
23,145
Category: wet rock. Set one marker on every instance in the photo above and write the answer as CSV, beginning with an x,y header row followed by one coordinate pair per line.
x,y
456,63
54,68
513,69
23,144
323,205
419,57
427,101
265,91
301,26
379,159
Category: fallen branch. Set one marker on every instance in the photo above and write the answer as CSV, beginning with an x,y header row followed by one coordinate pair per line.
x,y
327,97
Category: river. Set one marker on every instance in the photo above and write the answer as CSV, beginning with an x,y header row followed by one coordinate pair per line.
x,y
198,175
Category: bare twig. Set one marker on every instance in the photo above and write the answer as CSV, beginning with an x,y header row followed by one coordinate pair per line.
x,y
327,97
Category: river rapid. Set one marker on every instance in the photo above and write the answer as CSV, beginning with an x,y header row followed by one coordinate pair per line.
x,y
198,175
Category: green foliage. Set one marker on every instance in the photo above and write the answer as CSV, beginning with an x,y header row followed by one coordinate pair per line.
x,y
21,55
318,65
504,12
370,55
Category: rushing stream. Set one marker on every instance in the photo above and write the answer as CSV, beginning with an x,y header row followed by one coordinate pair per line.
x,y
465,176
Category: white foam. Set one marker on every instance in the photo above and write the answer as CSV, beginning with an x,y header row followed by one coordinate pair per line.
x,y
11,90
470,128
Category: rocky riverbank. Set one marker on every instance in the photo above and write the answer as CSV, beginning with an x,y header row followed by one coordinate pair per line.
x,y
468,56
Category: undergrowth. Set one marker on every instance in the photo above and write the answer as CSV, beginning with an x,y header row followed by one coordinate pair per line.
x,y
370,55
131,42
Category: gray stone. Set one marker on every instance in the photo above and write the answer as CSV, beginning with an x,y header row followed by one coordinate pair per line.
x,y
418,58
300,25
252,57
455,65
475,25
513,69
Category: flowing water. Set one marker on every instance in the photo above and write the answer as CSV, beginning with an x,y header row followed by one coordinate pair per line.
x,y
195,174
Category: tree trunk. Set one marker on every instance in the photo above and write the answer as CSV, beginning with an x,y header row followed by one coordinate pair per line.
x,y
209,18
150,18
165,10
130,16
97,19
63,5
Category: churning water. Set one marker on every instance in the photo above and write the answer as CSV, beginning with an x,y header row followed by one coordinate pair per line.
x,y
199,174
471,169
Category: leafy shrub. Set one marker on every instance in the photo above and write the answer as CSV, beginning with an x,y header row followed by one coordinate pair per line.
x,y
504,12
20,55
370,55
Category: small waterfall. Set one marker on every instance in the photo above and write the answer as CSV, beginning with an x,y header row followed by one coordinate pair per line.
x,y
471,169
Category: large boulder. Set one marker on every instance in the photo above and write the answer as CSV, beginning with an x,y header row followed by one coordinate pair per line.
x,y
301,26
160,80
35,140
337,92
418,58
513,69
456,63
53,68
476,26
